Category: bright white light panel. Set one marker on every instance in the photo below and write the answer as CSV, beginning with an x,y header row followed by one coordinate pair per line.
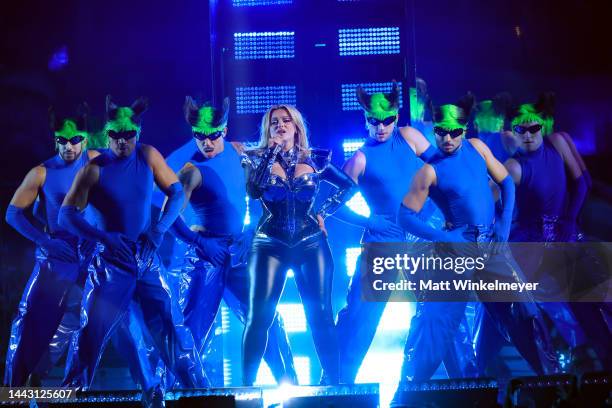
x,y
369,41
350,146
358,204
225,319
264,45
302,369
255,3
256,99
293,317
351,256
227,372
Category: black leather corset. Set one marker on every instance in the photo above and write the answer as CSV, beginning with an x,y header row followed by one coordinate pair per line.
x,y
288,202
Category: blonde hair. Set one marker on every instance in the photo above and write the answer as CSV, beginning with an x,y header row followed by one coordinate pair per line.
x,y
301,136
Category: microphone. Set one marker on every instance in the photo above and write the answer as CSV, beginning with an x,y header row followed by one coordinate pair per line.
x,y
266,163
274,152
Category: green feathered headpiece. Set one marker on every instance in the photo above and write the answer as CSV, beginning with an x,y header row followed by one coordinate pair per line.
x,y
417,107
490,114
454,116
420,103
70,126
379,105
207,118
124,118
541,112
98,140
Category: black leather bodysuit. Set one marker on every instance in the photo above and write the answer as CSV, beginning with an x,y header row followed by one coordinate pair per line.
x,y
288,237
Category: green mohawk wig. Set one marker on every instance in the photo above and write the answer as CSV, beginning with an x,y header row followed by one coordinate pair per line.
x,y
207,118
124,118
379,105
490,114
420,103
98,140
541,112
70,126
454,116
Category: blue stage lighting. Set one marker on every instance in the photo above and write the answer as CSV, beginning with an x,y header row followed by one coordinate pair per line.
x,y
227,372
349,98
369,41
388,362
264,45
396,317
358,204
264,375
302,368
256,99
225,319
253,3
293,316
351,255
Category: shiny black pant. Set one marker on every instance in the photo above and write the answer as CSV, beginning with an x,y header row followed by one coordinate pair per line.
x,y
312,263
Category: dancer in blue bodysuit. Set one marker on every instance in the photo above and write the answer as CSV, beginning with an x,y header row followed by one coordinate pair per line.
x,y
119,184
381,168
551,188
215,186
489,120
460,362
61,259
458,183
489,124
49,311
285,174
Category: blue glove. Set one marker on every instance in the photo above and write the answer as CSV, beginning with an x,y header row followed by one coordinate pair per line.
x,y
578,189
117,244
151,241
55,248
72,220
501,229
171,209
380,224
411,222
455,235
239,249
214,250
59,249
15,217
377,224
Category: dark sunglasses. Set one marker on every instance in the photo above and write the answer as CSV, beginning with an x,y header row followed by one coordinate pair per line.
x,y
127,135
452,132
531,129
213,136
73,140
385,121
